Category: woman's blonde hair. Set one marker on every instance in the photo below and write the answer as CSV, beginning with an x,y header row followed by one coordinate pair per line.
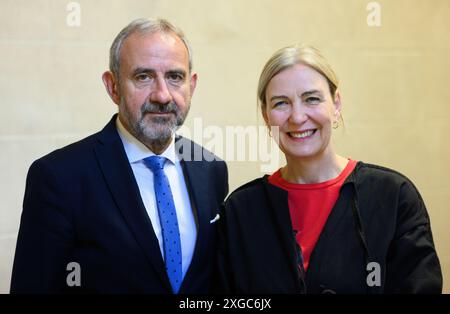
x,y
290,56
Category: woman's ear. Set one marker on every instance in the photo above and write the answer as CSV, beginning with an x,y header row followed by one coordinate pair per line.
x,y
264,114
337,104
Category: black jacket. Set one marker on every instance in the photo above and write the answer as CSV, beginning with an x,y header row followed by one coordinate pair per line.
x,y
379,217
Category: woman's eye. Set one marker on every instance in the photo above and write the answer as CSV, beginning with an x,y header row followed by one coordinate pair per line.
x,y
313,100
279,103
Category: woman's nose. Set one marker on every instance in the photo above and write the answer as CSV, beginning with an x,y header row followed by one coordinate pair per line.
x,y
298,114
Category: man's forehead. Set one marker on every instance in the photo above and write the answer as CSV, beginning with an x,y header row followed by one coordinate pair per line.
x,y
169,37
157,46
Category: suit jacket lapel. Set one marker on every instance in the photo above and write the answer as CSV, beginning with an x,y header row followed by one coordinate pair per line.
x,y
197,184
125,191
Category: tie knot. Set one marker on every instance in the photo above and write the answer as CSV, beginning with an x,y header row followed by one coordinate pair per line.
x,y
155,163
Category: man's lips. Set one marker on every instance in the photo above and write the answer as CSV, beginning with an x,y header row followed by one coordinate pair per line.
x,y
159,112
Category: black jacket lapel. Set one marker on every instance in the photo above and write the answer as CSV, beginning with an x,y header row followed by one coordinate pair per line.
x,y
122,184
278,199
197,183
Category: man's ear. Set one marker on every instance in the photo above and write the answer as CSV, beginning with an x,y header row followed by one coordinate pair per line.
x,y
112,86
193,83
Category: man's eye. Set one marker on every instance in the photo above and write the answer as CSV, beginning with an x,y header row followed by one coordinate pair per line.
x,y
142,77
175,77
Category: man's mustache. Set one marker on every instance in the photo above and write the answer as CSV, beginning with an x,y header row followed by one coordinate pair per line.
x,y
159,108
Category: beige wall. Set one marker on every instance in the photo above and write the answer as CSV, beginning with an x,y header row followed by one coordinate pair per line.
x,y
395,83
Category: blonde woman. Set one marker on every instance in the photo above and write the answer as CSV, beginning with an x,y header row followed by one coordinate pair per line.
x,y
323,223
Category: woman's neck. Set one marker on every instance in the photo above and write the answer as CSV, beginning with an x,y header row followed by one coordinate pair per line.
x,y
313,170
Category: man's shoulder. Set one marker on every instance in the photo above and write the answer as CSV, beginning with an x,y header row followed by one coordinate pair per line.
x,y
73,152
65,164
82,150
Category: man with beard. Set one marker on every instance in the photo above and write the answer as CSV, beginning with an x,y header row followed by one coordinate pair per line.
x,y
128,209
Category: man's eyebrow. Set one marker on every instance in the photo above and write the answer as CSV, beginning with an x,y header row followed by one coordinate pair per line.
x,y
177,71
140,70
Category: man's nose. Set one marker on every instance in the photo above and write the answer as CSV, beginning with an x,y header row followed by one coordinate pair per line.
x,y
160,93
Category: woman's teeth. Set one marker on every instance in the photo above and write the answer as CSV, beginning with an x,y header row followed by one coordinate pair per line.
x,y
301,134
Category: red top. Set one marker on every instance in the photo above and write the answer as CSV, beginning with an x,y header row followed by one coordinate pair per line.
x,y
310,205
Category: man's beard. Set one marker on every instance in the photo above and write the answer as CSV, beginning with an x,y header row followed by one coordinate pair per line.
x,y
155,131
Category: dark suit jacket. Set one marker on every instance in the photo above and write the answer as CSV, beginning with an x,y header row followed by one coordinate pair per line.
x,y
82,204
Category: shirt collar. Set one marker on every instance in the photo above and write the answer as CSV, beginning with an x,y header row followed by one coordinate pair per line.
x,y
136,151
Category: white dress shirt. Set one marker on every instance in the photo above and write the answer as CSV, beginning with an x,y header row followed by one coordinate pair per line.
x,y
136,152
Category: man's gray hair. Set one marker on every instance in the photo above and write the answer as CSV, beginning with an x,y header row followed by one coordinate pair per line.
x,y
143,26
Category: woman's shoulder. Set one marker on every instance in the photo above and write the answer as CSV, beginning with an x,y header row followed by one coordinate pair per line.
x,y
250,188
370,171
384,178
255,191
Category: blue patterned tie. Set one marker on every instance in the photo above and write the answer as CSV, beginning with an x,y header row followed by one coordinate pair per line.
x,y
168,220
